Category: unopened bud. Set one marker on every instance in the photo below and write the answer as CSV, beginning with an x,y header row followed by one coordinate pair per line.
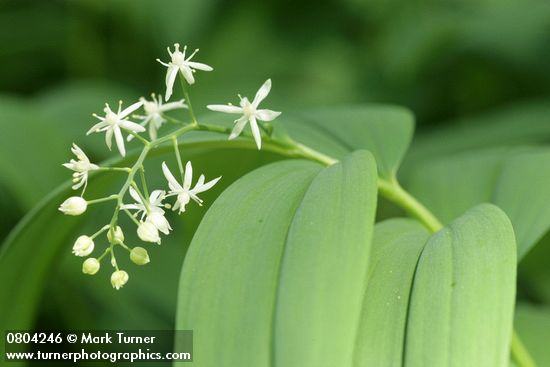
x,y
119,278
90,266
83,246
74,205
116,235
139,256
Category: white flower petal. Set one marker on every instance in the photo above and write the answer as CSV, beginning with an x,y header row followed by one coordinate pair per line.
x,y
207,186
266,115
199,66
187,74
119,141
134,194
132,126
97,126
128,110
131,207
153,131
156,197
262,93
109,138
188,176
174,185
200,181
78,152
172,106
171,74
131,137
160,222
225,108
238,128
256,132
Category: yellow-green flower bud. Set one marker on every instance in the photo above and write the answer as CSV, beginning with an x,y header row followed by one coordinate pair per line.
x,y
74,205
139,256
90,266
115,236
119,278
83,246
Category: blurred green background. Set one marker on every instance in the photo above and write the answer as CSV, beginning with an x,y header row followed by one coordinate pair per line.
x,y
475,72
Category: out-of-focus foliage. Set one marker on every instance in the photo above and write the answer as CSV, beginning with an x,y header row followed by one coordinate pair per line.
x,y
440,58
475,73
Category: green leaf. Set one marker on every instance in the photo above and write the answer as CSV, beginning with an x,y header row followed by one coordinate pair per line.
x,y
285,277
533,325
397,245
322,271
384,130
523,123
513,179
523,192
462,302
534,274
25,143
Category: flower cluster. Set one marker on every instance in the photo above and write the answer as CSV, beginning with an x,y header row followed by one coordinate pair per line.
x,y
147,210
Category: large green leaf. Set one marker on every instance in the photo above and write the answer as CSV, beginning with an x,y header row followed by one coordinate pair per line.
x,y
534,274
25,143
323,267
286,277
523,123
513,179
533,325
384,130
462,302
397,245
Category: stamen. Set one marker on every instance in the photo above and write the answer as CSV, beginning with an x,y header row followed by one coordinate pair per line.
x,y
193,54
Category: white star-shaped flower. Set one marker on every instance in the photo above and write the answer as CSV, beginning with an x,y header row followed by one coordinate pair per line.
x,y
81,167
155,214
250,113
185,192
154,113
177,63
113,122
